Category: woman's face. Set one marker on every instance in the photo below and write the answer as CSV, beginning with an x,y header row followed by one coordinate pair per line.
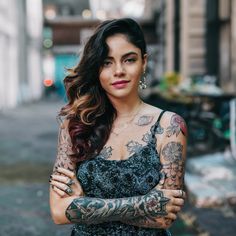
x,y
122,69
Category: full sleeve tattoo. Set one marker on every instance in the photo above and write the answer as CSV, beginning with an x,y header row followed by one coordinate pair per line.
x,y
96,210
172,158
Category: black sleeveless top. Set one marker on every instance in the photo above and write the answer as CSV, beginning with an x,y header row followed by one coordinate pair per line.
x,y
134,176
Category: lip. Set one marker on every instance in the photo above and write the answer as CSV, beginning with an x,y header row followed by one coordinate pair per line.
x,y
120,82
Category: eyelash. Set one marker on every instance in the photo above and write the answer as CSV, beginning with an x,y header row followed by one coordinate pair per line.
x,y
129,60
106,63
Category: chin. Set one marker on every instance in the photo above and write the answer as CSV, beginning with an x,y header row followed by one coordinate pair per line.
x,y
121,95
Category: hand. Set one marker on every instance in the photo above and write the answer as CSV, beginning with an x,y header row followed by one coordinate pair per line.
x,y
173,200
65,183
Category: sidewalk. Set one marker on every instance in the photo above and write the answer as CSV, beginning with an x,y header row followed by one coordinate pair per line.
x,y
28,141
211,185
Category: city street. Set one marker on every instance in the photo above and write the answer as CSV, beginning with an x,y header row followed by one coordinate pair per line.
x,y
28,143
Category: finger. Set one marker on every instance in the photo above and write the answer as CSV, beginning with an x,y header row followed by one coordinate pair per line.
x,y
63,187
62,179
178,202
173,209
69,191
66,172
59,185
59,192
178,193
176,209
59,178
161,181
182,193
171,216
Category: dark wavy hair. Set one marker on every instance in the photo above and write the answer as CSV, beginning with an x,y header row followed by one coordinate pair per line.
x,y
89,110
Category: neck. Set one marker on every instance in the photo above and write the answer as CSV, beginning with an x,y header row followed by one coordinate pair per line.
x,y
126,108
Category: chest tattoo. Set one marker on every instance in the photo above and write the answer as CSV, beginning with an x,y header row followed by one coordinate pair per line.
x,y
133,146
106,152
144,120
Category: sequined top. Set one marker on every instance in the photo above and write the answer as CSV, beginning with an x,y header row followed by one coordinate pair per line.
x,y
137,175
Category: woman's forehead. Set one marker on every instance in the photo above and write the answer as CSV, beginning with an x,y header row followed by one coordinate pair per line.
x,y
119,44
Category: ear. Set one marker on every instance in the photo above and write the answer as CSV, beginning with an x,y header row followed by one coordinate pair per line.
x,y
144,61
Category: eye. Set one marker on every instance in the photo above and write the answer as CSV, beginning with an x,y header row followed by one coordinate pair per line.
x,y
130,60
106,63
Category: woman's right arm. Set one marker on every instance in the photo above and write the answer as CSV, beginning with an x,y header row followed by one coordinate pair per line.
x,y
64,149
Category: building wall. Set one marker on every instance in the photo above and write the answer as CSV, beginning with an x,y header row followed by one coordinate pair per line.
x,y
17,83
194,53
225,44
192,37
169,19
8,54
233,47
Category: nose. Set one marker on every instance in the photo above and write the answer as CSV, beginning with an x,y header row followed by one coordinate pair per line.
x,y
119,70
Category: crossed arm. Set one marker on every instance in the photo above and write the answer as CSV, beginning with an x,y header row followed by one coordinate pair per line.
x,y
154,209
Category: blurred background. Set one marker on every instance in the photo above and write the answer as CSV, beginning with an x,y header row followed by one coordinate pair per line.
x,y
191,71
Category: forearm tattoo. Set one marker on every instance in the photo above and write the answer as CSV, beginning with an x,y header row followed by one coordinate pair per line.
x,y
147,222
96,210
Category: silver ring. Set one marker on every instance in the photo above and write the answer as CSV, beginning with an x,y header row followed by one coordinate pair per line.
x,y
70,182
69,191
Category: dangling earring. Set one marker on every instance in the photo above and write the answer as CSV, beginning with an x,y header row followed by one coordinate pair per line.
x,y
143,81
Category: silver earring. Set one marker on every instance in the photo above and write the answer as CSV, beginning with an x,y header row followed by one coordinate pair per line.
x,y
143,81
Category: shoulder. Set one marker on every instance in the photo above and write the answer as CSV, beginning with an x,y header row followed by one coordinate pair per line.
x,y
166,118
171,122
64,136
63,123
174,124
172,119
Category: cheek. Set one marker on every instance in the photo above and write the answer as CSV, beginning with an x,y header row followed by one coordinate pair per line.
x,y
104,78
136,74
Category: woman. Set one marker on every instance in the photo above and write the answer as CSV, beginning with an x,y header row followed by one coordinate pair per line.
x,y
120,163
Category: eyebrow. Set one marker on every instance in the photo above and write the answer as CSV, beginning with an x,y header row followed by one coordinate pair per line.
x,y
126,55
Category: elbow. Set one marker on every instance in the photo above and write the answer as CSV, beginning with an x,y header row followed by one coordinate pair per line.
x,y
58,218
57,221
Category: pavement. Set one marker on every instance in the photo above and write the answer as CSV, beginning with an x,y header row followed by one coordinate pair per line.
x,y
28,141
211,185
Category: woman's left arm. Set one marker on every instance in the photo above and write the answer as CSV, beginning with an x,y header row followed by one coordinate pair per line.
x,y
172,156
